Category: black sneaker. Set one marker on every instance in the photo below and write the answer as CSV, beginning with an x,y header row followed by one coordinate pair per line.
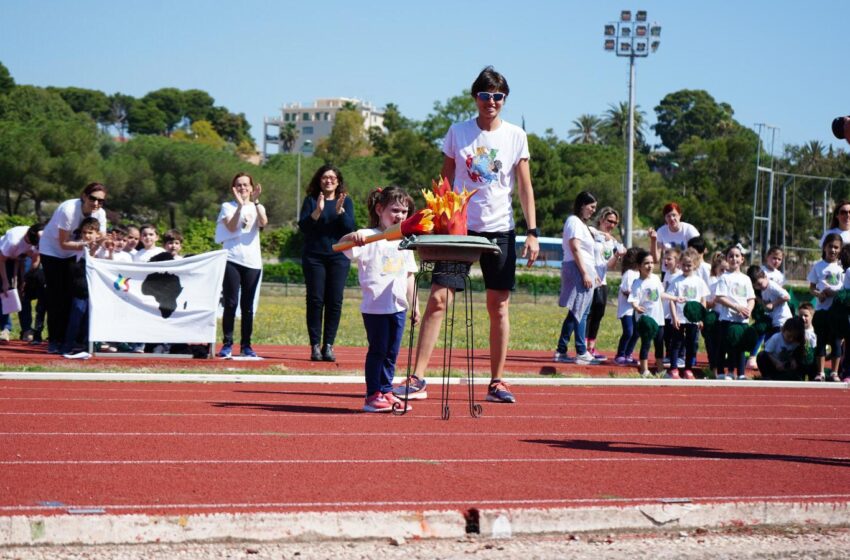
x,y
315,353
328,353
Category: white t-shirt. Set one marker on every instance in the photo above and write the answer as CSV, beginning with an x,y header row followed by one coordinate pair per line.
x,y
574,228
242,245
486,160
712,288
704,272
774,293
67,217
692,288
14,244
779,349
738,287
669,278
624,308
774,275
122,256
382,270
647,294
145,255
679,239
604,248
826,275
811,337
845,236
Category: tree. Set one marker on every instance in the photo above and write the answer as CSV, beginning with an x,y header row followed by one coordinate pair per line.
x,y
691,113
614,128
202,132
234,128
145,117
456,109
197,105
6,80
347,139
585,130
288,136
119,110
91,101
170,103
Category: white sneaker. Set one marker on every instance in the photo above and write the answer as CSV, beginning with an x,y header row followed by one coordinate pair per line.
x,y
563,358
5,335
587,359
646,374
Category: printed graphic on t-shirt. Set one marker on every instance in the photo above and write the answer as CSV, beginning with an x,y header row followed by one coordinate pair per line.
x,y
650,294
690,292
739,290
831,278
483,167
392,266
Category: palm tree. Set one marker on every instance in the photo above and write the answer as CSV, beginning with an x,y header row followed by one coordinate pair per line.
x,y
288,136
811,156
585,130
614,128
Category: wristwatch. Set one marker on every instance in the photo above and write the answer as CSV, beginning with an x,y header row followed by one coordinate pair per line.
x,y
533,231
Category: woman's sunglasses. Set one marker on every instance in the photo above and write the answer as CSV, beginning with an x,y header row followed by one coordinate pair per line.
x,y
487,96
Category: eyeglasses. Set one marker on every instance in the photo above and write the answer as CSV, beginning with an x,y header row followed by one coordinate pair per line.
x,y
331,178
844,212
613,222
97,199
487,96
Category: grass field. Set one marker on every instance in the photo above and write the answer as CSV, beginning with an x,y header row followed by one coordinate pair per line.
x,y
535,321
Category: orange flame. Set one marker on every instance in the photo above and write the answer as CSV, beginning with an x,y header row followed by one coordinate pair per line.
x,y
448,207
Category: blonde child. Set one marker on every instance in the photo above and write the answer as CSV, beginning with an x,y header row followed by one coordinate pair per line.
x,y
688,286
734,299
625,311
825,279
386,280
670,258
647,298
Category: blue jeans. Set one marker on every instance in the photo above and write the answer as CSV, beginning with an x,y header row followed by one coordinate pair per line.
x,y
384,333
6,320
579,326
629,338
76,323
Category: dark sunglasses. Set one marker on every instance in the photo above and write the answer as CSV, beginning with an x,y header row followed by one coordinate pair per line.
x,y
487,96
613,222
844,212
97,199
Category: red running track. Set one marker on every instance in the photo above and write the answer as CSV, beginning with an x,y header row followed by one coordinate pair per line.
x,y
185,448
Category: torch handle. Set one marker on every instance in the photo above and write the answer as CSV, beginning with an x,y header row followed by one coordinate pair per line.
x,y
390,234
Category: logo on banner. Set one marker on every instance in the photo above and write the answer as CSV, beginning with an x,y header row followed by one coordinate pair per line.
x,y
122,284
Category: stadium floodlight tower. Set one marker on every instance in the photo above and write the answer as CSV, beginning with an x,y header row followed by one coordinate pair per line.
x,y
632,38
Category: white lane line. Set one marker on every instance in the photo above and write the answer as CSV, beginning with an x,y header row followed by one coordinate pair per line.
x,y
355,413
432,503
819,434
400,461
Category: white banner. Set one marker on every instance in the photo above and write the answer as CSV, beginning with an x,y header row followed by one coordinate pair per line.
x,y
169,301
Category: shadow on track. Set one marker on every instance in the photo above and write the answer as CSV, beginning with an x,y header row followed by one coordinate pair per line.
x,y
303,393
291,408
684,451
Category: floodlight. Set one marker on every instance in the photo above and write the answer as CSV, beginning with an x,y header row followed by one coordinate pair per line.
x,y
640,46
655,45
625,31
610,30
626,15
609,44
625,47
655,30
640,30
641,15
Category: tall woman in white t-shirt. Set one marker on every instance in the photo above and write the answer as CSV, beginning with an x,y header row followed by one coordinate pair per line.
x,y
238,230
578,277
674,233
58,252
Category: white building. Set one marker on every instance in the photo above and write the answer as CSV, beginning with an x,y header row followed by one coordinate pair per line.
x,y
314,122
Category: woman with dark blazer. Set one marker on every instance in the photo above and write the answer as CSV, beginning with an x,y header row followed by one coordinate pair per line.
x,y
326,215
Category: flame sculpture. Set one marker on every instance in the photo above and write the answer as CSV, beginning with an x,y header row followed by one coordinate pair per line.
x,y
449,207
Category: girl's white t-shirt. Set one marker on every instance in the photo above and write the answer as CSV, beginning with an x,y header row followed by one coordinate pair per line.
x,y
382,270
242,245
574,228
774,275
679,239
604,248
68,217
624,308
692,288
779,349
145,255
775,293
826,275
647,292
738,287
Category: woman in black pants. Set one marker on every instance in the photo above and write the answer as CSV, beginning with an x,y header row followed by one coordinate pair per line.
x,y
326,215
58,251
607,251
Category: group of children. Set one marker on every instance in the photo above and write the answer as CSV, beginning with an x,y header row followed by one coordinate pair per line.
x,y
127,244
729,297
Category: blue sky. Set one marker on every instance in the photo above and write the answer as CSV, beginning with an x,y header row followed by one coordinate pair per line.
x,y
778,62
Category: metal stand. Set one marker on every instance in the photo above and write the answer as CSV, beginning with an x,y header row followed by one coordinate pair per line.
x,y
457,269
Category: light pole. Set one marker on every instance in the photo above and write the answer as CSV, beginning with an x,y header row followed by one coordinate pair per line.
x,y
631,38
305,144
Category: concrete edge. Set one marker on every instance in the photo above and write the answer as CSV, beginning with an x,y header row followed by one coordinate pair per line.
x,y
335,379
496,523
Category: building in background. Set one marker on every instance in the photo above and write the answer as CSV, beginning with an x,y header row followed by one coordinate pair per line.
x,y
311,124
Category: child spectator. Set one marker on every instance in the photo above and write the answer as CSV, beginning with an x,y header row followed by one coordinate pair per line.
x,y
701,268
688,286
172,241
149,237
671,258
734,299
774,298
89,234
772,265
133,237
806,311
625,311
386,280
779,358
825,279
120,240
646,299
710,333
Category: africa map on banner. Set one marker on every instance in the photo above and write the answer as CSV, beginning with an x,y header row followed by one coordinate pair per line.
x,y
169,301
